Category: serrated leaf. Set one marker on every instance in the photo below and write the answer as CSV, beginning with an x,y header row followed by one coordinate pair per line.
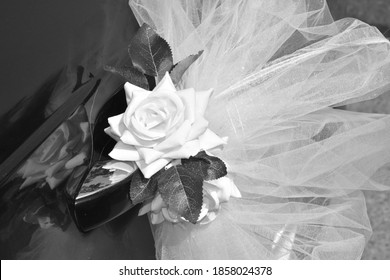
x,y
131,75
181,67
150,53
198,166
216,168
182,191
142,188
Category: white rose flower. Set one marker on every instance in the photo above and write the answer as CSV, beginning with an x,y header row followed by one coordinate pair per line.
x,y
161,125
214,193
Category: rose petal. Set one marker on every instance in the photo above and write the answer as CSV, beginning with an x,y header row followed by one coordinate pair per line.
x,y
202,99
178,138
187,150
116,125
174,162
224,187
189,100
32,180
165,85
137,97
212,192
170,216
129,89
84,126
235,192
49,149
224,194
31,167
130,139
77,160
150,169
65,130
58,178
143,133
149,155
109,132
124,152
147,207
177,110
68,147
222,182
217,151
157,204
198,128
156,218
211,215
209,140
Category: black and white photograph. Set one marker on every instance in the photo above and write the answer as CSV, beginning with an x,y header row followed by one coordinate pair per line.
x,y
212,130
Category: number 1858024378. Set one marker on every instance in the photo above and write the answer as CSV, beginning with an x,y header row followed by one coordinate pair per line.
x,y
242,270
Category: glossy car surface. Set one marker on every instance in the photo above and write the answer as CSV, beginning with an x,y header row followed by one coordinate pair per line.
x,y
53,88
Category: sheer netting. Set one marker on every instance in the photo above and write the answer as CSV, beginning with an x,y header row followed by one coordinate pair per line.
x,y
277,69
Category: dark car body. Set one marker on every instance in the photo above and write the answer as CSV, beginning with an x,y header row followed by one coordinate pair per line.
x,y
53,88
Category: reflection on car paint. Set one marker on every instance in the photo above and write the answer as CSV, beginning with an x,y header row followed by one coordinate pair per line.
x,y
66,148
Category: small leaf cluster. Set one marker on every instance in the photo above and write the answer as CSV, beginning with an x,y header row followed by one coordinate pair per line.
x,y
151,56
180,186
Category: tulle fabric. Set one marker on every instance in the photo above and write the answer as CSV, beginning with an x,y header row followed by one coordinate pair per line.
x,y
278,68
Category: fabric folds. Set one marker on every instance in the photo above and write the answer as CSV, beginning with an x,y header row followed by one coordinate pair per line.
x,y
278,69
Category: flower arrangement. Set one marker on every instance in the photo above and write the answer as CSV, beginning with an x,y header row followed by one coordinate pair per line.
x,y
165,133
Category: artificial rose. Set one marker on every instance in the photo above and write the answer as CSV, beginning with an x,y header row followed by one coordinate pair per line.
x,y
214,193
161,125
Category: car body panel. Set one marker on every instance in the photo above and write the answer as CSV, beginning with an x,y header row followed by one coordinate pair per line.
x,y
53,88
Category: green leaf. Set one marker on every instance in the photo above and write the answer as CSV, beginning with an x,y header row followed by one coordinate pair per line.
x,y
150,53
131,74
182,66
182,191
209,167
142,188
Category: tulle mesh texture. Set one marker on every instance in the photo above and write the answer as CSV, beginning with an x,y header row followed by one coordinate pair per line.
x,y
278,68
